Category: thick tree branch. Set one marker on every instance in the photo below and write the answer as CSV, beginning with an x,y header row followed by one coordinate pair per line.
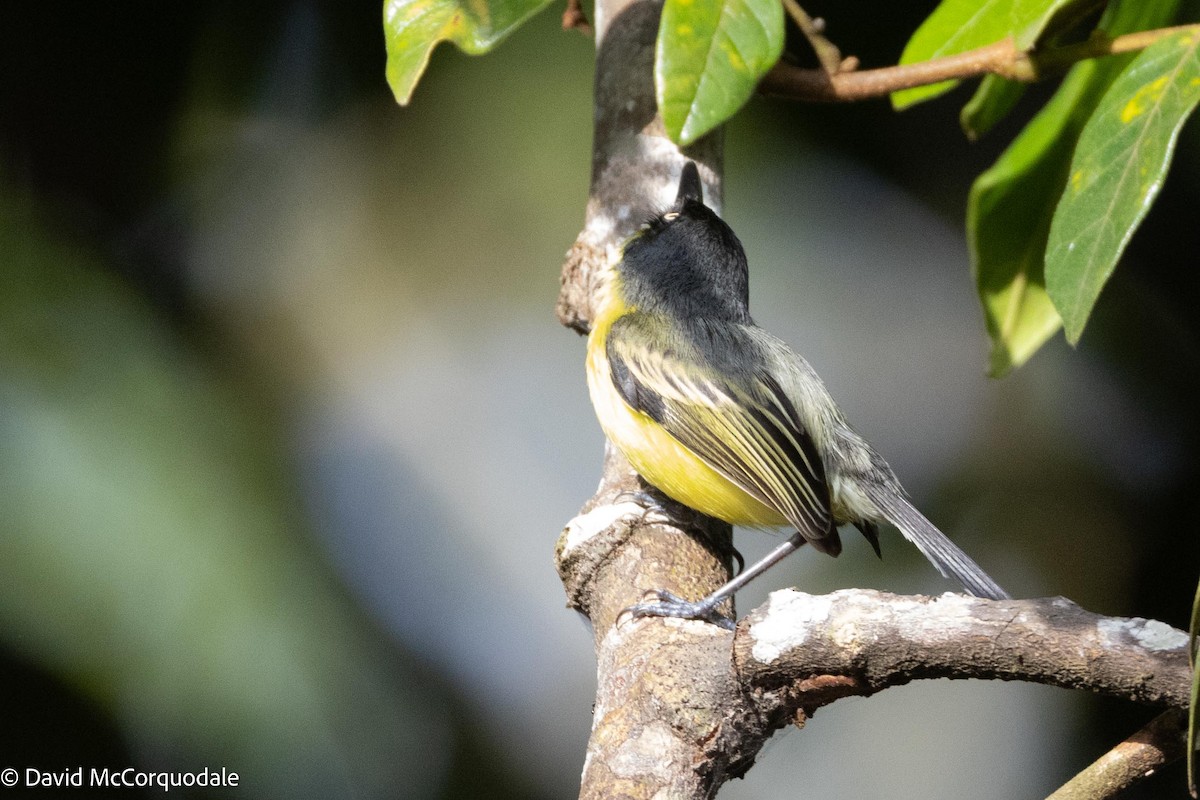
x,y
879,640
635,166
655,701
684,706
1001,58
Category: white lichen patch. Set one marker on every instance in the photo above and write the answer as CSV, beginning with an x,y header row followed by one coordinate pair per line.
x,y
952,616
600,518
858,615
648,753
1156,635
1148,633
850,615
600,227
786,623
956,610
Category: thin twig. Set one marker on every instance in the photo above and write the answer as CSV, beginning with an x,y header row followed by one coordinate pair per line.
x,y
1001,58
813,30
573,18
1138,757
1063,58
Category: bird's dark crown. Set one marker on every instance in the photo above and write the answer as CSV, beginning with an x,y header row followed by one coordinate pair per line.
x,y
687,261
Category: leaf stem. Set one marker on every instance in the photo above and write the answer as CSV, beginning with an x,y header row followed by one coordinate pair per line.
x,y
1001,58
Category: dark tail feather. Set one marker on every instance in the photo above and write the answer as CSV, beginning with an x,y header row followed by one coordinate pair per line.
x,y
944,554
870,532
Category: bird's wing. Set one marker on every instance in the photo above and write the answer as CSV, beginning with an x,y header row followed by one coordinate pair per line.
x,y
737,420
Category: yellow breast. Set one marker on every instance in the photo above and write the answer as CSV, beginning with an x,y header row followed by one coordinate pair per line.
x,y
658,456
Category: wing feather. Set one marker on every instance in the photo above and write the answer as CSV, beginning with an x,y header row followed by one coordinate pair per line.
x,y
735,416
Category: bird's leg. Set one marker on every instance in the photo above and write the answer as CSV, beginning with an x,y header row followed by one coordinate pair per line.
x,y
669,605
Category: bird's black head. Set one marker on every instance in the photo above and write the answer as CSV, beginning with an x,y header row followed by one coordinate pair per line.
x,y
687,261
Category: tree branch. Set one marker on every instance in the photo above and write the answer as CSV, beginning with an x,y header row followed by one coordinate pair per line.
x,y
645,729
574,18
814,31
635,166
1001,58
681,707
879,640
1159,743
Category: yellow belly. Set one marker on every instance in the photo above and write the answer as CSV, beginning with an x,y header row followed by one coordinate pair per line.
x,y
658,456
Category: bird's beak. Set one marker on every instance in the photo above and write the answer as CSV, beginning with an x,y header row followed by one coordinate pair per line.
x,y
690,187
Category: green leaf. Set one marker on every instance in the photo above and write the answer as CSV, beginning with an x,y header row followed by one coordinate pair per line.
x,y
1011,205
1194,628
1193,633
1191,737
957,26
412,28
1008,221
991,102
709,57
1117,173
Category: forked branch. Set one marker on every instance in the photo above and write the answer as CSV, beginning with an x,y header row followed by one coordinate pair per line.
x,y
681,707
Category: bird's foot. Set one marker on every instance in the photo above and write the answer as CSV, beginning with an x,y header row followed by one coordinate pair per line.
x,y
740,559
658,509
670,605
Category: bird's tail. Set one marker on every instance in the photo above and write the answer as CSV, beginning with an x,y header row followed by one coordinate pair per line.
x,y
944,554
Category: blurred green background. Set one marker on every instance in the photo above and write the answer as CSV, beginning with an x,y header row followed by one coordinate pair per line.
x,y
288,428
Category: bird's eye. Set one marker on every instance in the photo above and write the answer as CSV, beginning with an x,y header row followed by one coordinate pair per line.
x,y
670,215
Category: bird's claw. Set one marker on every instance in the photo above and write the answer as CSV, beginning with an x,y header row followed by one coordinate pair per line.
x,y
740,559
653,509
670,605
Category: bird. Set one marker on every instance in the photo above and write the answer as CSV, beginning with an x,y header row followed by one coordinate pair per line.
x,y
727,419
